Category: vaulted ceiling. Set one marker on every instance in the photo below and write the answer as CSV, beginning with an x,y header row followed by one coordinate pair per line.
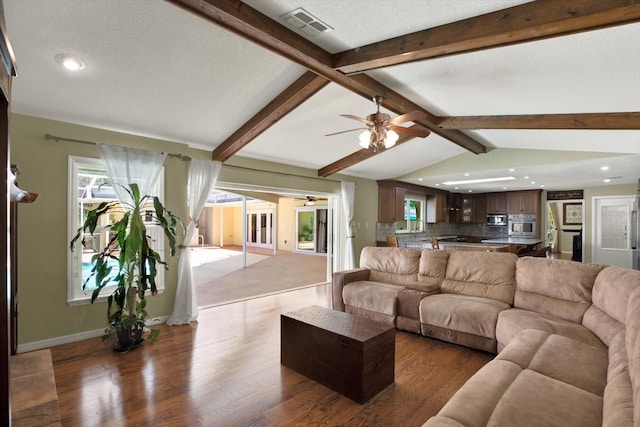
x,y
546,88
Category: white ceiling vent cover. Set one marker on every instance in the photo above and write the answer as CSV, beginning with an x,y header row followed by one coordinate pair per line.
x,y
302,20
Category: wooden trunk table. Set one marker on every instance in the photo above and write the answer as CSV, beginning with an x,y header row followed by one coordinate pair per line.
x,y
349,354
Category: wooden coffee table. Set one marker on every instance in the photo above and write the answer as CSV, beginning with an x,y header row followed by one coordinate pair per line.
x,y
349,354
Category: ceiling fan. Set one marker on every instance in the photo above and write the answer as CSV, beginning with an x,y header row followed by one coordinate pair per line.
x,y
382,131
309,200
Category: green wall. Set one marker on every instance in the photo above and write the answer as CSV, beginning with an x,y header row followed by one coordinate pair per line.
x,y
43,239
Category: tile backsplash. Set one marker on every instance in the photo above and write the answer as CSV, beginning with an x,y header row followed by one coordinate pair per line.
x,y
440,229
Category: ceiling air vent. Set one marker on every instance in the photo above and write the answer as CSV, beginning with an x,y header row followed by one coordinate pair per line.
x,y
302,20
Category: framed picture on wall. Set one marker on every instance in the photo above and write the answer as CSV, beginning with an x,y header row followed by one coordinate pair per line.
x,y
572,213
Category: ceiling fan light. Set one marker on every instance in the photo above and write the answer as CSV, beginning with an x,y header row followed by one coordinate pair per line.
x,y
365,139
391,139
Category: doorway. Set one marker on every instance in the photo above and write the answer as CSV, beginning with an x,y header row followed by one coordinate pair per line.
x,y
311,230
260,228
612,224
564,228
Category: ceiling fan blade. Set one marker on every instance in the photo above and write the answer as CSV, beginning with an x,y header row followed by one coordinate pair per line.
x,y
360,119
344,131
420,133
409,117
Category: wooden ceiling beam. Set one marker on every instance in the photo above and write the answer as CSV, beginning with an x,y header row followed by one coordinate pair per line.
x,y
536,20
256,27
545,121
297,93
359,156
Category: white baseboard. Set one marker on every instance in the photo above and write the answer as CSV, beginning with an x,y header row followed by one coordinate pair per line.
x,y
51,342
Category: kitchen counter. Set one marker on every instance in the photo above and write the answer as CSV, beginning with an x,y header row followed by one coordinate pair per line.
x,y
462,246
514,241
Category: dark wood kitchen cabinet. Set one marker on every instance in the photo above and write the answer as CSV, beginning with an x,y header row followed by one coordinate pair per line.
x,y
391,198
437,208
472,209
496,203
391,204
524,202
478,209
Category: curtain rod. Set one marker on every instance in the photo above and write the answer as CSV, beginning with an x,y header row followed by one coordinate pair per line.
x,y
48,136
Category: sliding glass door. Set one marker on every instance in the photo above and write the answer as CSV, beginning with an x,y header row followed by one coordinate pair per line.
x,y
311,230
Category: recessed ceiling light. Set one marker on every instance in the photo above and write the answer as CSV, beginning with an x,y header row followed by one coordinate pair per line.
x,y
470,191
479,180
419,179
466,174
70,62
512,170
604,168
533,182
526,177
607,180
542,186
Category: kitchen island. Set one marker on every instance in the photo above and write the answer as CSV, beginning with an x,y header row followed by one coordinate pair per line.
x,y
457,246
518,245
462,246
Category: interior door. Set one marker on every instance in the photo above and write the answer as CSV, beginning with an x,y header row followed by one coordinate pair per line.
x,y
612,220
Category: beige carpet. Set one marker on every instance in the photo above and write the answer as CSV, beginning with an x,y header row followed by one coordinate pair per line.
x,y
222,279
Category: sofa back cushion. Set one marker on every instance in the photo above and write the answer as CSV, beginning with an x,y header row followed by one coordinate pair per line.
x,y
612,289
611,292
560,288
398,266
481,274
632,340
433,265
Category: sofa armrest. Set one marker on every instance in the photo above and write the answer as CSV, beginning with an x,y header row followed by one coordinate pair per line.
x,y
341,278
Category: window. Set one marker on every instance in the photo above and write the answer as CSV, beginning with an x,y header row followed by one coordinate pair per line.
x,y
414,214
89,186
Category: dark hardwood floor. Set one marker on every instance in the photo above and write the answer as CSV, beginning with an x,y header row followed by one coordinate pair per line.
x,y
225,371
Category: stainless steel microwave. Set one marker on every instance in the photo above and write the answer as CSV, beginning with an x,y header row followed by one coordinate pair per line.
x,y
497,219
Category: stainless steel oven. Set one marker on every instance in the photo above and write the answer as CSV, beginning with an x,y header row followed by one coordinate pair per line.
x,y
522,225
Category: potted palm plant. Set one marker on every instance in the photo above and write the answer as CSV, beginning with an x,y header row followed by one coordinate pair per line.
x,y
136,263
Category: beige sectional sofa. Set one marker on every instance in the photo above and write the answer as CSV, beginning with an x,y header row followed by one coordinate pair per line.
x,y
567,334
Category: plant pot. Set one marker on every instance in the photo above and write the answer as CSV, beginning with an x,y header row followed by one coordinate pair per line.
x,y
128,338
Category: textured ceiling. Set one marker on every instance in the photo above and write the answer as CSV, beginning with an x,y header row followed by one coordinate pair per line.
x,y
156,70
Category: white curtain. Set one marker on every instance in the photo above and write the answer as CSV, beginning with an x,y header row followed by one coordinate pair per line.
x,y
348,196
202,178
127,165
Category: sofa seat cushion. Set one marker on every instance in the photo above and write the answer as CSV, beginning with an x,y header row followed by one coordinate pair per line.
x,y
561,358
513,320
462,313
537,400
503,394
377,297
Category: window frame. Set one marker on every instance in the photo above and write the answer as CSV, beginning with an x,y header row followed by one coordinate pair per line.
x,y
422,217
75,294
